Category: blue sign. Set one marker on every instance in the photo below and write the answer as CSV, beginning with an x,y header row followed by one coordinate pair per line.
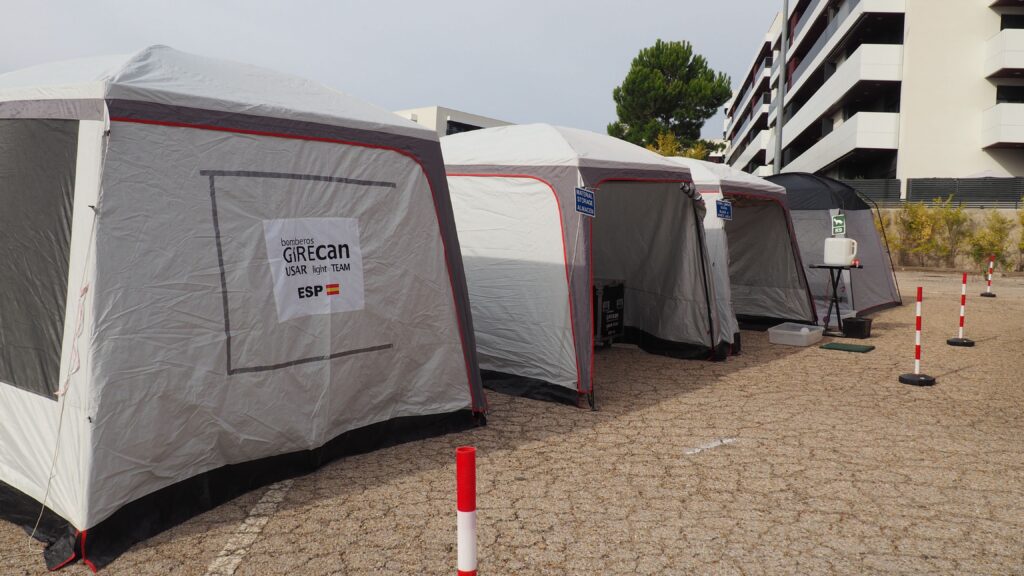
x,y
585,202
724,209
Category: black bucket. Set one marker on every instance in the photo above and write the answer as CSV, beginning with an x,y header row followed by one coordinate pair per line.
x,y
857,327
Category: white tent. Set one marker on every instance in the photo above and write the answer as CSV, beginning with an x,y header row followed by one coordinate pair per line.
x,y
755,256
531,258
813,201
214,277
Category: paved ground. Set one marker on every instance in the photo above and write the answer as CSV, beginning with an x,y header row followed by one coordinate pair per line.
x,y
780,461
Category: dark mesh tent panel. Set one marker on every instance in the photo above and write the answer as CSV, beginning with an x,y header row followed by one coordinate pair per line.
x,y
811,200
811,192
37,180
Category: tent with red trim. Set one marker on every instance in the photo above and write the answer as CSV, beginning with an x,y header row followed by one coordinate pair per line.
x,y
532,256
755,255
215,276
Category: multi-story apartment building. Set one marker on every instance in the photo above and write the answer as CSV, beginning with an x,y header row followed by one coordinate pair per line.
x,y
447,121
887,91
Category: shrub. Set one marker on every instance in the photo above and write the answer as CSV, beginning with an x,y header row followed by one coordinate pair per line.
x,y
915,233
952,228
992,239
1020,240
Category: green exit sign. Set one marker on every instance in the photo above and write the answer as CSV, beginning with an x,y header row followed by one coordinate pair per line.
x,y
839,224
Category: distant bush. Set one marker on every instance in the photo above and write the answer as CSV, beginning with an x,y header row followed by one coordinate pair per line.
x,y
951,230
915,238
992,239
1020,240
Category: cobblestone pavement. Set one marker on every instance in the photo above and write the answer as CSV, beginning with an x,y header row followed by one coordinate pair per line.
x,y
780,461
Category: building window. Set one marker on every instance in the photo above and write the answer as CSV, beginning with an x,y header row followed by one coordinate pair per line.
x,y
1010,94
1013,22
454,127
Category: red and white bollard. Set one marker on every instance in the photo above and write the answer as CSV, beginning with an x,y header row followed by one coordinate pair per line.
x,y
960,340
988,293
465,472
917,379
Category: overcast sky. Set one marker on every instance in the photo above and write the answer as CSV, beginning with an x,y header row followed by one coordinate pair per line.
x,y
553,61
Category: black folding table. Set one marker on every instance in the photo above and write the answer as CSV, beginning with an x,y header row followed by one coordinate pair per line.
x,y
835,274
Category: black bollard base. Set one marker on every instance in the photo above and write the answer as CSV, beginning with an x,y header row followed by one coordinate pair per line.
x,y
917,379
961,342
988,294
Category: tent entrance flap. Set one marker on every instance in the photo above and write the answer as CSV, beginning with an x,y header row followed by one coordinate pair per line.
x,y
515,253
37,179
646,235
764,272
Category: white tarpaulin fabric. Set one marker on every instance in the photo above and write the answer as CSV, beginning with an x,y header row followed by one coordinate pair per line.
x,y
754,255
258,266
531,257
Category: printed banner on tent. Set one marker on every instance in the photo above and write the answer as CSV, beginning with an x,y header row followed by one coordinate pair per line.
x,y
316,265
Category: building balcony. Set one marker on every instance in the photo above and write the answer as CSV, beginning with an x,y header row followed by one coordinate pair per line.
x,y
761,80
1002,126
865,130
757,146
1004,55
849,13
870,63
813,12
754,120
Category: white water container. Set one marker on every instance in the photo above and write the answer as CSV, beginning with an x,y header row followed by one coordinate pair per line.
x,y
792,334
840,251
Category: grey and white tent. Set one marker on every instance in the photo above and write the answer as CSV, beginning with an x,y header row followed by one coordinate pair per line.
x,y
214,276
755,256
812,201
531,258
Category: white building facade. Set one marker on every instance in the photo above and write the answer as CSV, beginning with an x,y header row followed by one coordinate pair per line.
x,y
897,95
447,121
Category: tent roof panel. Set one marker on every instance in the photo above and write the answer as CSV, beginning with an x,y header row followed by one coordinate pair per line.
x,y
547,145
813,192
162,75
727,177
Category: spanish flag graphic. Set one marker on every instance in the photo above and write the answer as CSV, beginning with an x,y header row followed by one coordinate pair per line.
x,y
333,290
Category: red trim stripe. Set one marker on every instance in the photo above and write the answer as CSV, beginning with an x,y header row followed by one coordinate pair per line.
x,y
85,558
433,195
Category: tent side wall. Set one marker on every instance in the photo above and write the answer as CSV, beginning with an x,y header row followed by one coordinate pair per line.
x,y
30,420
197,330
768,280
576,235
671,311
874,287
514,252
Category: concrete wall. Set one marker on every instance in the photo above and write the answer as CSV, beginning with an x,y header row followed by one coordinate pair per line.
x,y
964,262
945,93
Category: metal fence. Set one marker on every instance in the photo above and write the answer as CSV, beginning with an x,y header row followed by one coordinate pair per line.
x,y
969,192
885,193
966,192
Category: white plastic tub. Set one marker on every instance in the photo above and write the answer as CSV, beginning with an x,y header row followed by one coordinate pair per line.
x,y
791,334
